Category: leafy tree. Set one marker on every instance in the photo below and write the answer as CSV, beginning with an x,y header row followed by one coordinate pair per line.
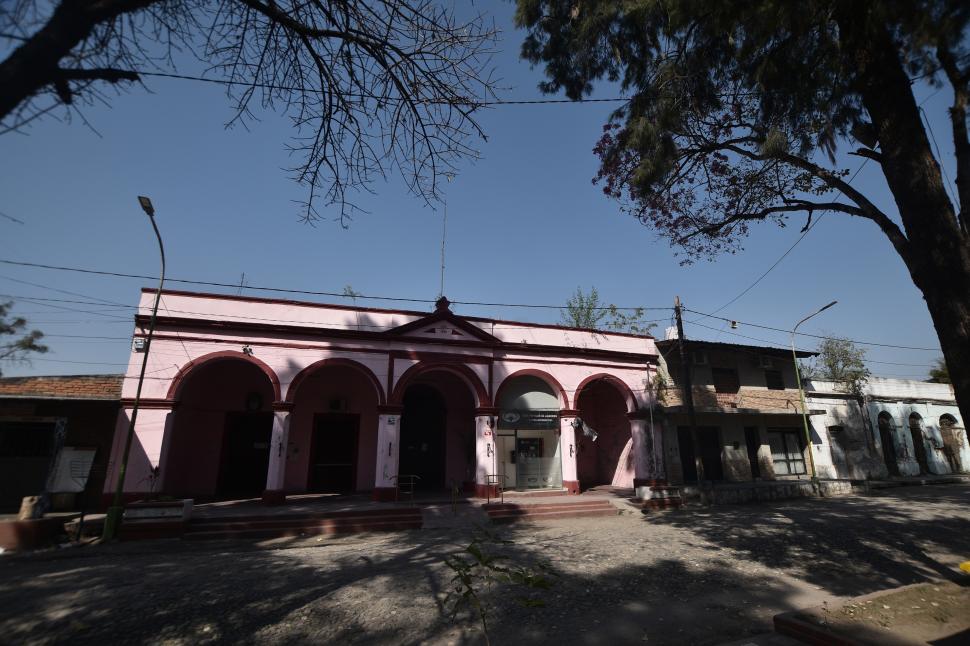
x,y
371,87
15,343
584,310
737,110
839,360
939,373
589,312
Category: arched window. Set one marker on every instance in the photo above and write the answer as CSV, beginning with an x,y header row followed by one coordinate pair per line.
x,y
887,432
919,441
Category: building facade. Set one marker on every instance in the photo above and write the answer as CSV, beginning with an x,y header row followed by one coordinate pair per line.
x,y
249,396
748,414
55,438
896,427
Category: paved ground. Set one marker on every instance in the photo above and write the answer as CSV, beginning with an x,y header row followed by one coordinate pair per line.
x,y
682,577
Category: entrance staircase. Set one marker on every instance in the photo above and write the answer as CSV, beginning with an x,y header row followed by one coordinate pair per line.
x,y
290,525
509,511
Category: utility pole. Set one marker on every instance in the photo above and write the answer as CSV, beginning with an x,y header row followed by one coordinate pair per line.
x,y
688,386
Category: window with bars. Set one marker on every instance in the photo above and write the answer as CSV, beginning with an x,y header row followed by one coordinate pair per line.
x,y
774,380
787,451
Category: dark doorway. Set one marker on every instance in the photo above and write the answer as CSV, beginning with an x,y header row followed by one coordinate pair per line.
x,y
26,452
919,446
333,453
423,436
888,446
753,439
687,457
709,439
245,454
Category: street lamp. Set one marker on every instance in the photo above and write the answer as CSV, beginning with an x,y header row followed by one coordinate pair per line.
x,y
801,393
112,519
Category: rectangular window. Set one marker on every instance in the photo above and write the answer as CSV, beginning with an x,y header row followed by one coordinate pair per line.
x,y
774,380
726,380
786,452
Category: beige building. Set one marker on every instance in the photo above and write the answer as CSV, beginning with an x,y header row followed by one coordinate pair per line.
x,y
748,414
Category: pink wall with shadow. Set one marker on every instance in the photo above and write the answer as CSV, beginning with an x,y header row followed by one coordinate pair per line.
x,y
608,460
315,395
208,393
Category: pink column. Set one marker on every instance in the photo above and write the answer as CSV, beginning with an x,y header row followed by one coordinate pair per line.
x,y
485,460
151,431
388,452
648,452
275,493
568,450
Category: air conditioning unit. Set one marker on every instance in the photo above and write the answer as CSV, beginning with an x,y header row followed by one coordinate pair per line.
x,y
700,358
767,363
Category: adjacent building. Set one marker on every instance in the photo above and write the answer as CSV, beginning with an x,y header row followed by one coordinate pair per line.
x,y
748,413
55,438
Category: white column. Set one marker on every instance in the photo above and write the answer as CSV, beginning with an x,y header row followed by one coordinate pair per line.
x,y
278,448
388,452
568,450
485,449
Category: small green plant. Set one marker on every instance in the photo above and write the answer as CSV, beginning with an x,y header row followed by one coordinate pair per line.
x,y
476,573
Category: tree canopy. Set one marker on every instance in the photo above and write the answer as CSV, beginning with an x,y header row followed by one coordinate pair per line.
x,y
16,342
371,88
737,109
842,361
586,310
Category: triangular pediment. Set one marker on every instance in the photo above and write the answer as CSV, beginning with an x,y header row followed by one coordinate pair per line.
x,y
443,325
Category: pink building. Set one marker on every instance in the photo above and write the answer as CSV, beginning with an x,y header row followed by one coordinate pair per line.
x,y
254,396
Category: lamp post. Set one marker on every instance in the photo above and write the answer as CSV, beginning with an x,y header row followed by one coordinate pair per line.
x,y
801,393
112,519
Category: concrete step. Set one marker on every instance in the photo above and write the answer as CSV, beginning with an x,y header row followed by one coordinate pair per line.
x,y
597,504
327,529
510,512
267,523
508,517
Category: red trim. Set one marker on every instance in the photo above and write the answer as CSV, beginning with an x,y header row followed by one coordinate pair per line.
x,y
284,407
568,412
173,389
417,355
568,362
616,382
390,410
443,314
334,362
454,367
149,402
274,498
571,486
281,301
384,494
486,410
486,491
390,373
551,381
239,327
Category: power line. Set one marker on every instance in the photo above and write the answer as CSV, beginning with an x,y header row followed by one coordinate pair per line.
x,y
805,232
283,290
11,218
383,99
814,336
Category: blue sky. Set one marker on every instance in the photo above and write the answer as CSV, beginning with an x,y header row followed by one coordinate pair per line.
x,y
525,225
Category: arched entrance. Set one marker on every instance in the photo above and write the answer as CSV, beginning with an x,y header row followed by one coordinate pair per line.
x,y
221,431
437,437
919,445
527,439
886,432
333,428
605,451
952,442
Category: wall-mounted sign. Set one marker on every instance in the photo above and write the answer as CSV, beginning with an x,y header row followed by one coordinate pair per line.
x,y
529,420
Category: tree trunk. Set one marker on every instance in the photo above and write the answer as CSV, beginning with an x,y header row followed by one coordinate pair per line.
x,y
937,249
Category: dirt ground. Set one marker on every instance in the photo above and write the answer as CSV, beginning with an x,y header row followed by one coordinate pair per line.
x,y
921,613
698,576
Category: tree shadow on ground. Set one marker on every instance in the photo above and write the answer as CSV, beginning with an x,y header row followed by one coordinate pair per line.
x,y
847,546
368,589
